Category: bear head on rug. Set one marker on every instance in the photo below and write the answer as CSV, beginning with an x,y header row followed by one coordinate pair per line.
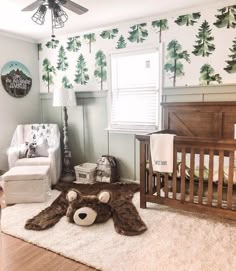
x,y
86,204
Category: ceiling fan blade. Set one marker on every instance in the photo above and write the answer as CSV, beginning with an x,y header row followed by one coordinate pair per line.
x,y
32,6
75,7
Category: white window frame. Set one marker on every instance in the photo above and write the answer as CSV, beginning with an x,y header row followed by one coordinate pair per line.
x,y
129,52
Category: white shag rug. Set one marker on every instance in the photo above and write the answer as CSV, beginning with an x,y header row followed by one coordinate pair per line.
x,y
175,240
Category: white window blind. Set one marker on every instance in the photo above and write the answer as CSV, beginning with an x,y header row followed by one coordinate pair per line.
x,y
134,95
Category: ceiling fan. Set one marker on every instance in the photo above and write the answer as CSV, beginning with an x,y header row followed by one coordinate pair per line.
x,y
58,15
54,3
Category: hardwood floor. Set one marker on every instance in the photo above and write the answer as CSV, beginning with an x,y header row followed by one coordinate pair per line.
x,y
17,255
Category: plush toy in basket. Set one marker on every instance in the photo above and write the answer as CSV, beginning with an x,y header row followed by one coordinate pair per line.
x,y
107,170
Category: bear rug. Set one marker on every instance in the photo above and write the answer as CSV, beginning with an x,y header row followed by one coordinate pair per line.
x,y
174,240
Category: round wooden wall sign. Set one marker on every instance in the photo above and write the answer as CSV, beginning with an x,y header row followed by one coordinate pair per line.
x,y
16,79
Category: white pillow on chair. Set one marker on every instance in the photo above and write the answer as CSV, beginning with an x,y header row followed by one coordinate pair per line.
x,y
42,148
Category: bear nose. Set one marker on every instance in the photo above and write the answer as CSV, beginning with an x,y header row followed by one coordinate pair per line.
x,y
82,215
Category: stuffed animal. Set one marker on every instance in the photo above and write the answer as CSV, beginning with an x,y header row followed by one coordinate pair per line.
x,y
87,204
31,148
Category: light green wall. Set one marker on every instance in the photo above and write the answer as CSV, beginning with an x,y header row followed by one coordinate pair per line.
x,y
88,137
15,111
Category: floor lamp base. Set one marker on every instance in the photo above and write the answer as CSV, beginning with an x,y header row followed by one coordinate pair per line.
x,y
68,176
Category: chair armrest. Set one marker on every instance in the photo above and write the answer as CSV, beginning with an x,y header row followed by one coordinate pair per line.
x,y
54,153
13,156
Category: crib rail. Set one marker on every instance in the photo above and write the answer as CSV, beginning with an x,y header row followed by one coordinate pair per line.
x,y
179,189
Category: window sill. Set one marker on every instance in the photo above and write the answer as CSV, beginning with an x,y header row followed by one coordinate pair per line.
x,y
128,132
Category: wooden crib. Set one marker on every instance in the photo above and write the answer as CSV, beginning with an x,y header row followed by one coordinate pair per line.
x,y
204,130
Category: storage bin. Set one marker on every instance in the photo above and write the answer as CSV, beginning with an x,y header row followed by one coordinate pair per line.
x,y
85,173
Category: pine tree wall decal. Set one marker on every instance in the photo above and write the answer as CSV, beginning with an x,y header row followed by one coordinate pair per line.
x,y
100,67
208,76
62,62
231,67
48,72
40,47
204,47
226,18
109,34
121,43
73,44
81,76
161,25
90,38
138,33
66,83
52,44
189,19
174,56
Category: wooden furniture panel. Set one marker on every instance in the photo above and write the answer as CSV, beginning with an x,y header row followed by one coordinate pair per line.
x,y
209,119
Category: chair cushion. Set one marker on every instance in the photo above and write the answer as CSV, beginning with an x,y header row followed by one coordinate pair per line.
x,y
37,161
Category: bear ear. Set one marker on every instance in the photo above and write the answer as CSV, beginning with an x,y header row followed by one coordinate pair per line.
x,y
73,194
104,196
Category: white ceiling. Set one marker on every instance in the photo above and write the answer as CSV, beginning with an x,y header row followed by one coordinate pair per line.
x,y
101,13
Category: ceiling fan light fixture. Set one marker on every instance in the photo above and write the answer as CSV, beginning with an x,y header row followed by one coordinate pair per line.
x,y
57,22
58,12
39,15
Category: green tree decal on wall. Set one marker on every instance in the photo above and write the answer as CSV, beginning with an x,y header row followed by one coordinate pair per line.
x,y
62,63
90,38
226,18
231,67
109,34
189,19
100,67
138,33
121,43
174,57
81,76
52,44
40,47
208,76
48,72
66,83
73,44
204,47
161,25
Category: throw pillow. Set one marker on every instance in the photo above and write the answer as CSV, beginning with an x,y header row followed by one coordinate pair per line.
x,y
42,148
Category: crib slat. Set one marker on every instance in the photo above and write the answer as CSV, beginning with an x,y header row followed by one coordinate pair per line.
x,y
192,163
230,180
220,179
183,151
150,177
158,182
210,178
201,174
166,184
174,182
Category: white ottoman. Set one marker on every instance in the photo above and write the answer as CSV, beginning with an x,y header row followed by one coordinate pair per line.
x,y
26,184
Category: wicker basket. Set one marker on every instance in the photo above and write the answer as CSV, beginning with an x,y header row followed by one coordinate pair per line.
x,y
85,173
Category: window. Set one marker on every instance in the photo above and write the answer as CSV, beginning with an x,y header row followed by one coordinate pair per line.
x,y
135,90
